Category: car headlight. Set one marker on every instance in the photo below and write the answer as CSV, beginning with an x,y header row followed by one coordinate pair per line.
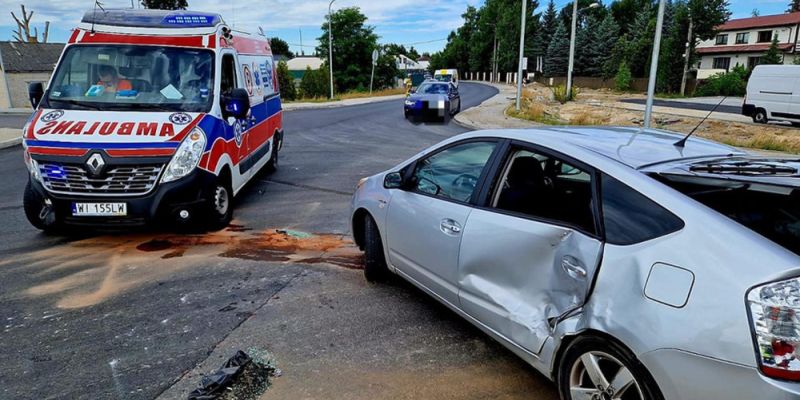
x,y
774,310
186,157
32,165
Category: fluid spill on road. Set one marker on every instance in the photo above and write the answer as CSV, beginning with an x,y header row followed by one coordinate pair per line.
x,y
90,271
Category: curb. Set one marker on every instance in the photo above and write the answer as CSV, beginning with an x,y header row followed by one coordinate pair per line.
x,y
10,143
12,111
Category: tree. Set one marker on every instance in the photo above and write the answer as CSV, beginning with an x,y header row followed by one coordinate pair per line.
x,y
165,4
286,82
280,47
794,6
755,13
412,53
557,59
23,32
773,55
606,38
707,15
315,83
353,43
640,46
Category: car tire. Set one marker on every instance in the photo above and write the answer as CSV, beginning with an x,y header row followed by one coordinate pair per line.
x,y
220,206
796,124
275,147
760,116
375,269
34,206
613,361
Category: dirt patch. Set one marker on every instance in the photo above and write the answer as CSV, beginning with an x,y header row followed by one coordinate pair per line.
x,y
88,272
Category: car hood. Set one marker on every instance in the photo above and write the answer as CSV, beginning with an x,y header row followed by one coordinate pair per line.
x,y
74,133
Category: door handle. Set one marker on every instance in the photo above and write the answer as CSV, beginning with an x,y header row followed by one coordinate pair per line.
x,y
450,227
573,268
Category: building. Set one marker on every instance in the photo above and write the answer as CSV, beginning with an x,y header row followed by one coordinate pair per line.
x,y
24,63
744,41
298,65
424,62
404,63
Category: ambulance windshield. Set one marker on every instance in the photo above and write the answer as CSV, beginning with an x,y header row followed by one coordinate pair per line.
x,y
133,78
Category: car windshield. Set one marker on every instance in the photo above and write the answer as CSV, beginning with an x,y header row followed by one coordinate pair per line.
x,y
432,88
124,77
444,78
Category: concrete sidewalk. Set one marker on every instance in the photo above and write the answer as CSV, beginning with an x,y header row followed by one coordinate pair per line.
x,y
10,137
491,114
340,103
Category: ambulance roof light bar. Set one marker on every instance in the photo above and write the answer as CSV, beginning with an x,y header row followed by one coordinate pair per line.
x,y
152,18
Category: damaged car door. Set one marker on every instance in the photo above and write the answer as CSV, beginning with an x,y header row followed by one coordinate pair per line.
x,y
528,256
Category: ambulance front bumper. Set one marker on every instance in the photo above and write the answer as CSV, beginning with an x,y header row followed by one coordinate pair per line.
x,y
163,204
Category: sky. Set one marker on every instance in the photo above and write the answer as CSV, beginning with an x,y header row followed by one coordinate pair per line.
x,y
424,24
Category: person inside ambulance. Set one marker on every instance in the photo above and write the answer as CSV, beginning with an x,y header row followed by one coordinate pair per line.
x,y
111,82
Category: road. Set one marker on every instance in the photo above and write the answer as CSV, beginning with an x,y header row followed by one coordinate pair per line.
x,y
131,315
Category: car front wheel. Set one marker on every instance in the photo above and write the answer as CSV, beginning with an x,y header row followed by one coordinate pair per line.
x,y
375,269
598,369
220,206
39,213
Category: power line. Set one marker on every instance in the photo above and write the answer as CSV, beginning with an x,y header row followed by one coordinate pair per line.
x,y
425,42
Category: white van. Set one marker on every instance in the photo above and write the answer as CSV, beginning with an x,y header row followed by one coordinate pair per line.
x,y
773,93
446,75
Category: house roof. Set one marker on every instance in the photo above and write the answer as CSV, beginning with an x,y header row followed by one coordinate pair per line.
x,y
761,22
29,57
747,48
302,62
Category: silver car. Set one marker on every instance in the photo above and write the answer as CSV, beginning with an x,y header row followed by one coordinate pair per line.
x,y
619,262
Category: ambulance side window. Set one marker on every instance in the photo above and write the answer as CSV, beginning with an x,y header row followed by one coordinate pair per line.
x,y
228,81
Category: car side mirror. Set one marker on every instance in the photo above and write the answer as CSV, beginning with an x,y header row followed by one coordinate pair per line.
x,y
35,93
393,180
236,104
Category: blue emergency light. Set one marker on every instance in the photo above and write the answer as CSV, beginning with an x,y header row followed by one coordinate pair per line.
x,y
55,172
152,18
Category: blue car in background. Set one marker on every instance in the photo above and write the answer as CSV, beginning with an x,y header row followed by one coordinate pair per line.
x,y
433,100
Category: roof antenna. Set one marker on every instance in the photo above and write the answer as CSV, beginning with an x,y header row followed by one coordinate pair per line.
x,y
97,3
682,142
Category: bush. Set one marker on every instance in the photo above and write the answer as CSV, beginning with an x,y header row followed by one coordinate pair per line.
x,y
623,80
560,94
286,82
314,84
733,83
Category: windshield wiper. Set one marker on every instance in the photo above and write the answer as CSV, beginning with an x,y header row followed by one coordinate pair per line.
x,y
78,103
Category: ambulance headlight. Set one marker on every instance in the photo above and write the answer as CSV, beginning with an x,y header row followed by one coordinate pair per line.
x,y
33,166
187,157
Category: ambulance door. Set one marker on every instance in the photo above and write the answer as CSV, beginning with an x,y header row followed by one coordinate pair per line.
x,y
255,73
230,78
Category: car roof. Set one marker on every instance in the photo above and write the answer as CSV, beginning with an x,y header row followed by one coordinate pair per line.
x,y
631,146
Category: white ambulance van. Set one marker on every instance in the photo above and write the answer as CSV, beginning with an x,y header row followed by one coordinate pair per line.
x,y
446,75
150,116
773,93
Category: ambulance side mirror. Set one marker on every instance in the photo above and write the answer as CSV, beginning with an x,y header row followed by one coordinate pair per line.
x,y
35,93
236,104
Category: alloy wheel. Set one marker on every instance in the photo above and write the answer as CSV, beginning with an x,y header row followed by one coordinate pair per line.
x,y
221,200
600,376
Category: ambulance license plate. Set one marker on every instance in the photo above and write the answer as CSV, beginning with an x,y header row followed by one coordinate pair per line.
x,y
99,209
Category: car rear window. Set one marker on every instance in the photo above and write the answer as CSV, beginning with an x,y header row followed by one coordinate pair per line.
x,y
772,211
629,217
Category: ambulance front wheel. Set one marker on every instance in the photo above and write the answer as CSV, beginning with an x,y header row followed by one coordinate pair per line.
x,y
40,214
220,204
277,143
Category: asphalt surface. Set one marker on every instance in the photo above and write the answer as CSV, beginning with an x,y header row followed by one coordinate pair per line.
x,y
140,315
689,105
13,120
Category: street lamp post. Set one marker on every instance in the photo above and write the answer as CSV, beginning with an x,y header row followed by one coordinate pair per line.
x,y
572,43
651,85
330,45
521,52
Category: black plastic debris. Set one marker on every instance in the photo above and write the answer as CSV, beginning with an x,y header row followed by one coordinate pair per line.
x,y
213,386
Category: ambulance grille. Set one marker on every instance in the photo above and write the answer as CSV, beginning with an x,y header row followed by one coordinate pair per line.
x,y
122,180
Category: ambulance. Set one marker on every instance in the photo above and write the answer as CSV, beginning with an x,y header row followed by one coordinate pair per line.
x,y
150,116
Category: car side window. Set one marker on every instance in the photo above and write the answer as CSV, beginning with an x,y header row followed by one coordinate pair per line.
x,y
228,80
545,187
454,172
630,217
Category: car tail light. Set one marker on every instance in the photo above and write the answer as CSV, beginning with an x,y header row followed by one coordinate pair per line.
x,y
775,315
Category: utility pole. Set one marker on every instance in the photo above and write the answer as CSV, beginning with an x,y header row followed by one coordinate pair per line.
x,y
521,51
572,41
494,57
651,86
330,44
689,43
302,48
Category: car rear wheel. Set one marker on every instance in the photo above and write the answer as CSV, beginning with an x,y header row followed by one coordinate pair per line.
x,y
375,269
598,369
760,117
38,212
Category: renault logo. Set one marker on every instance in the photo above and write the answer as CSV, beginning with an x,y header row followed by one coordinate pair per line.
x,y
95,163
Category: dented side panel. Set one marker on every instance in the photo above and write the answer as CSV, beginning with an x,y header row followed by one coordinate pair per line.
x,y
516,274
